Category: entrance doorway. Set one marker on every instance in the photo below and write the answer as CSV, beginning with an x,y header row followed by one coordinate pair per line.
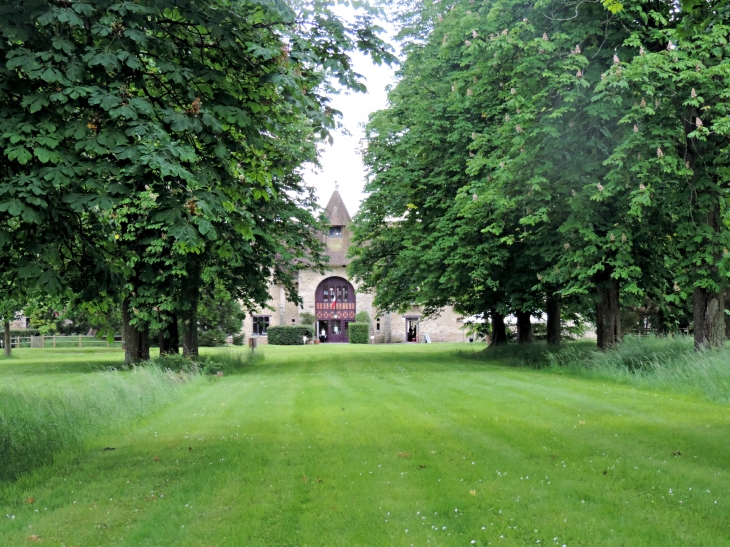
x,y
322,331
333,330
412,329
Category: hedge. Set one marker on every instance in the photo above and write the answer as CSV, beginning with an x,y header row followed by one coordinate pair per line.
x,y
23,332
289,335
359,333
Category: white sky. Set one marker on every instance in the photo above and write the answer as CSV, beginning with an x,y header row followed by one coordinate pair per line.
x,y
341,162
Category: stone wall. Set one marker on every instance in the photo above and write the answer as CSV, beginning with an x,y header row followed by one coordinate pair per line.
x,y
446,327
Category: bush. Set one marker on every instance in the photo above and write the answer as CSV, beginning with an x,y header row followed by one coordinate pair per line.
x,y
359,333
211,338
238,339
289,335
362,317
307,318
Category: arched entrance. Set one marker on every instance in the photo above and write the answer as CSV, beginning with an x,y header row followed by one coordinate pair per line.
x,y
335,308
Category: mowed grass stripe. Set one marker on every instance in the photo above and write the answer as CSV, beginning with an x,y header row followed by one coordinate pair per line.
x,y
247,485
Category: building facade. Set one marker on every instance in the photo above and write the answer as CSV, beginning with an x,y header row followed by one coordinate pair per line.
x,y
334,299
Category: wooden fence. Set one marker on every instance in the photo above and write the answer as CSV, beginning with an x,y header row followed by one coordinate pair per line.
x,y
73,341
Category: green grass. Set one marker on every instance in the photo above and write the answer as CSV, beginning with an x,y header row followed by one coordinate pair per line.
x,y
384,445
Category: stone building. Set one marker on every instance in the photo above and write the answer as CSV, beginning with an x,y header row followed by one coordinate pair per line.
x,y
335,300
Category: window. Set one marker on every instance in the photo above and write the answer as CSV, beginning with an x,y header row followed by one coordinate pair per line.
x,y
377,326
344,294
339,294
260,324
293,320
335,231
326,295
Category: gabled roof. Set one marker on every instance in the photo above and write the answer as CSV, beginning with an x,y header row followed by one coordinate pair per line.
x,y
336,212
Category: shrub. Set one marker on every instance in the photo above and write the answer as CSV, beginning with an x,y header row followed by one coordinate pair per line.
x,y
238,339
359,333
211,338
289,335
362,317
307,318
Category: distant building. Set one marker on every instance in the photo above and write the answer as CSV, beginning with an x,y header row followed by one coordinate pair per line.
x,y
20,322
334,300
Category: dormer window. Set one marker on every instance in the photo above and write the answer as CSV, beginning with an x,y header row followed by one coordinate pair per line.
x,y
335,231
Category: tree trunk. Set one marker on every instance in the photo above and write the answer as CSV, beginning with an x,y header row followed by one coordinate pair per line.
x,y
661,325
499,333
709,316
524,327
554,326
726,298
136,341
144,343
190,335
170,338
6,341
709,306
608,317
191,296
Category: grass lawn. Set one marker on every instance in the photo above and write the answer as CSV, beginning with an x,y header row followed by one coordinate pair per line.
x,y
382,445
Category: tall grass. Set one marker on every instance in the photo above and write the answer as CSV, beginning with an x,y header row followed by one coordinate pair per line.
x,y
651,362
36,426
228,362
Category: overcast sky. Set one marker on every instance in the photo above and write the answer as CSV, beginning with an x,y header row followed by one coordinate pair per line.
x,y
341,161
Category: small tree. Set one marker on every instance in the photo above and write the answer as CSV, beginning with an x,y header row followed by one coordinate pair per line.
x,y
363,317
307,318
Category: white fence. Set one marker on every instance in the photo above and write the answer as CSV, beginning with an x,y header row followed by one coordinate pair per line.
x,y
73,341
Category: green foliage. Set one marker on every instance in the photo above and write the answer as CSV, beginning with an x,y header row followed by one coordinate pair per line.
x,y
154,149
289,335
24,332
528,157
211,338
218,318
362,317
307,318
359,333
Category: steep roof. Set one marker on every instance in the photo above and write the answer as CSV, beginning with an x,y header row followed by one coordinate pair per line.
x,y
337,215
336,212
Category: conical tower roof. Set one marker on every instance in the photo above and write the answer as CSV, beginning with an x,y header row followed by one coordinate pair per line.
x,y
336,212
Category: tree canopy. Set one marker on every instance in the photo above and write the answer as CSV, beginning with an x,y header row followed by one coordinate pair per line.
x,y
155,147
533,155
